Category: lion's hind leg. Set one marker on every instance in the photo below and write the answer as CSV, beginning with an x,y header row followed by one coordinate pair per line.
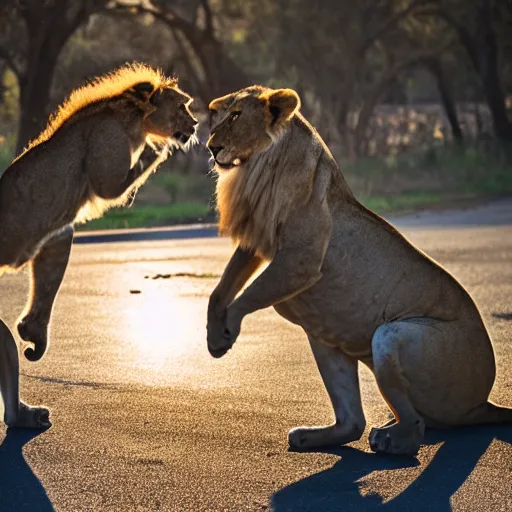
x,y
340,377
488,413
16,413
433,372
47,268
404,435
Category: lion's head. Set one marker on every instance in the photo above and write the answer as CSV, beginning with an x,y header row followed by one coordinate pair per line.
x,y
248,122
265,156
168,116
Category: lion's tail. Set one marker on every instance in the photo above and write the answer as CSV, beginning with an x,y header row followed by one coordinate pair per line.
x,y
489,413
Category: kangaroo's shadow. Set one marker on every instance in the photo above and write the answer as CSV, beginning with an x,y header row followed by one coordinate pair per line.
x,y
20,489
337,488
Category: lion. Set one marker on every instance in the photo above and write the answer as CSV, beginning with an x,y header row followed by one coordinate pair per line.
x,y
83,163
358,288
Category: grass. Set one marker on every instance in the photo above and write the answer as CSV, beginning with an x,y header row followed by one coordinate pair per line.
x,y
439,176
146,216
187,198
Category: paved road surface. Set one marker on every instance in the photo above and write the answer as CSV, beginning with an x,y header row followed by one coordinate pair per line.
x,y
145,420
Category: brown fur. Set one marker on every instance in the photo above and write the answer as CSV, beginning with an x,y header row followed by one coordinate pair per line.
x,y
359,289
254,199
101,89
84,162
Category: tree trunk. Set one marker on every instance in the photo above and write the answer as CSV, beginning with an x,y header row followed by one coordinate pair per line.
x,y
489,75
34,98
445,94
221,73
482,50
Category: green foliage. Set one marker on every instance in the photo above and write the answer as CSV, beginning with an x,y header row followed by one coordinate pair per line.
x,y
435,176
400,184
184,188
6,157
146,216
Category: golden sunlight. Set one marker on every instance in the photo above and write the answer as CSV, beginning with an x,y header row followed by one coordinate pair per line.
x,y
159,325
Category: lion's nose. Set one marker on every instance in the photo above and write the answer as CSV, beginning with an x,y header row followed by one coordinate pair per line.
x,y
215,150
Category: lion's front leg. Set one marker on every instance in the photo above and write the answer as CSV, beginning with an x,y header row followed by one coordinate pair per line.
x,y
17,413
339,374
48,269
241,267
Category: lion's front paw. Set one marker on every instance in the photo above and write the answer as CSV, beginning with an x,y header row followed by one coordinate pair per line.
x,y
222,334
217,343
398,439
233,325
30,417
34,331
307,438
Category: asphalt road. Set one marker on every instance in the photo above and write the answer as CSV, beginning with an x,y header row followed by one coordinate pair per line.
x,y
145,420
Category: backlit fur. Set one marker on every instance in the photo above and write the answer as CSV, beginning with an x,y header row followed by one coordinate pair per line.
x,y
84,162
103,88
356,286
277,169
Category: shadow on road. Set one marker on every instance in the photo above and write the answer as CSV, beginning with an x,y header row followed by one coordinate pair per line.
x,y
337,488
20,489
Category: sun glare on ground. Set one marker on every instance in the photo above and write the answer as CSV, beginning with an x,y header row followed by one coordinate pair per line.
x,y
159,327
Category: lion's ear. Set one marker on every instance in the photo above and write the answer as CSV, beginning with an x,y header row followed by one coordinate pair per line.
x,y
142,91
282,105
221,103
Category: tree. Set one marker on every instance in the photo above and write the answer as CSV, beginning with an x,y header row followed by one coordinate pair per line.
x,y
350,54
203,55
475,25
38,32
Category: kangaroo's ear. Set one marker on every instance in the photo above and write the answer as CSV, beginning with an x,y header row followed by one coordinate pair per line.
x,y
142,91
282,105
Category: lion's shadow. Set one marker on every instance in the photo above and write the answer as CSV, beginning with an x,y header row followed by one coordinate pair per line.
x,y
20,489
337,488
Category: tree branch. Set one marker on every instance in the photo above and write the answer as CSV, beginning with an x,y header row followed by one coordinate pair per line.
x,y
462,31
386,81
390,23
208,17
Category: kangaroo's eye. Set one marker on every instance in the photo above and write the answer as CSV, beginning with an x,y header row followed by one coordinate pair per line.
x,y
235,115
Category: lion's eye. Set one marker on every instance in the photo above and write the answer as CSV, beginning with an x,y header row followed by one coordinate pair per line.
x,y
235,115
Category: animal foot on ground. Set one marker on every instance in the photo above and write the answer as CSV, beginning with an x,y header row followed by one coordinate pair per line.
x,y
398,439
307,438
30,417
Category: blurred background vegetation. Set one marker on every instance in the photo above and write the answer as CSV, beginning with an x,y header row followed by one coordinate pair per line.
x,y
412,96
